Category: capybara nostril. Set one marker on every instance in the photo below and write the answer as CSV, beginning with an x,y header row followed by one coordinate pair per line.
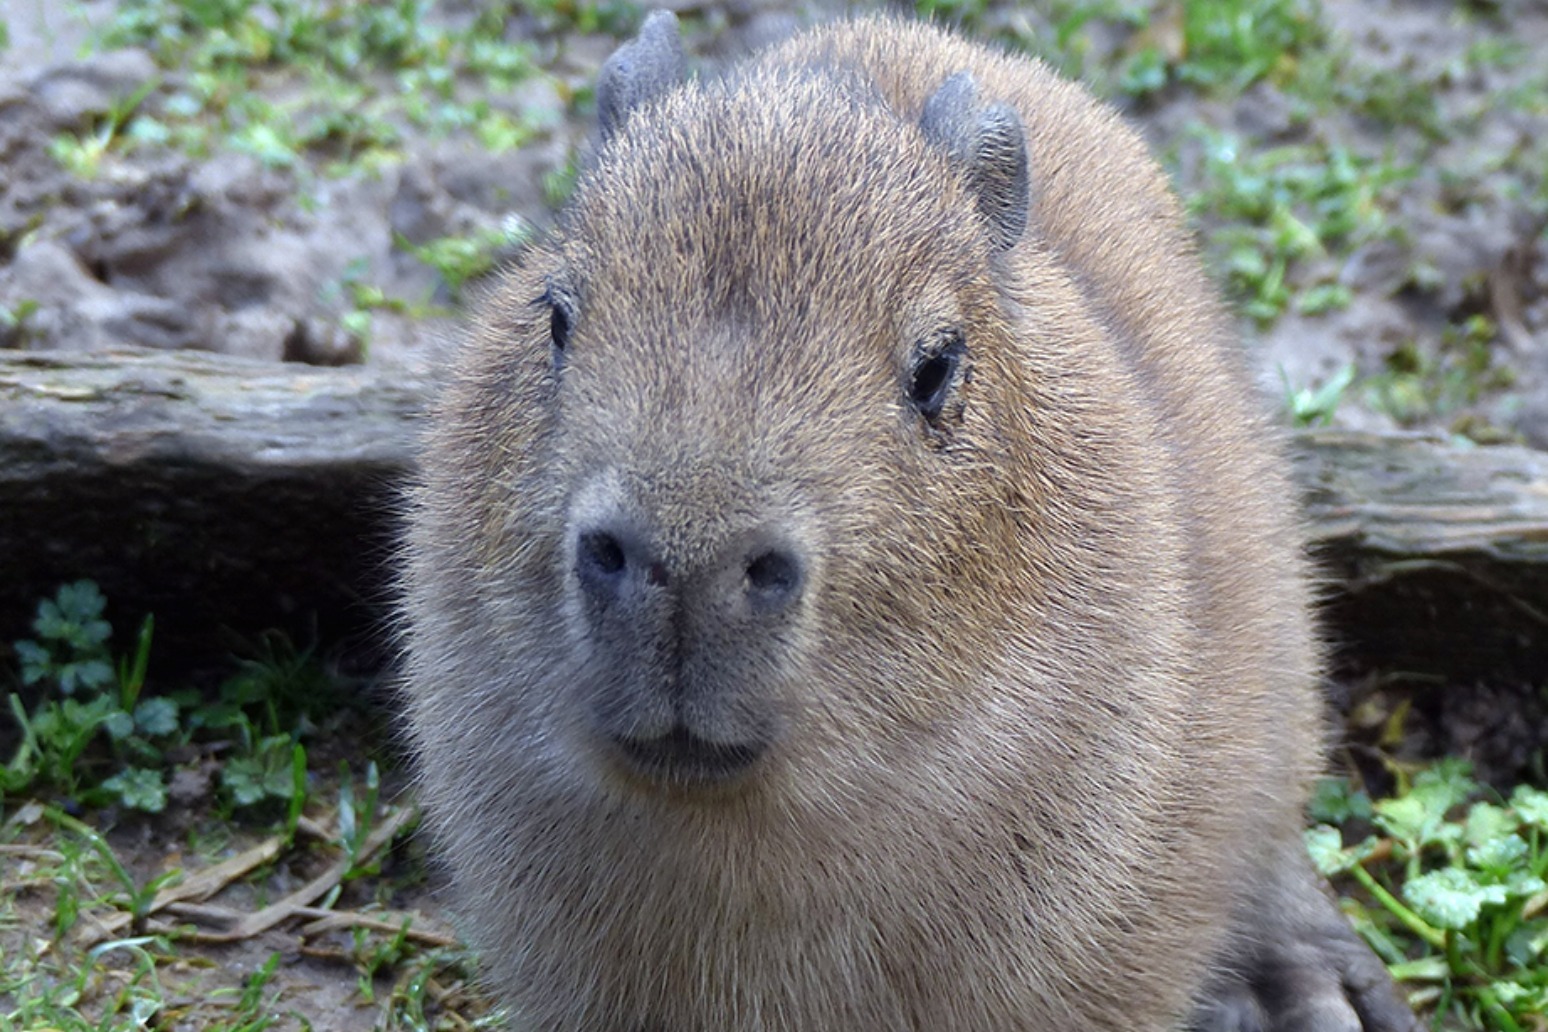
x,y
774,579
601,552
607,561
601,564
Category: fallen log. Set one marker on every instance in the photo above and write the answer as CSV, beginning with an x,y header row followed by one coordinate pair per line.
x,y
1437,553
228,495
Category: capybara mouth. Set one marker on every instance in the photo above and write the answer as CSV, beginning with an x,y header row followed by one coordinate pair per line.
x,y
682,757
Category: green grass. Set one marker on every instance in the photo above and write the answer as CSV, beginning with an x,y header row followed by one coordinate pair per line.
x,y
1452,891
1221,45
85,940
459,259
333,88
1443,382
1270,211
92,736
60,979
1217,45
618,17
1315,406
362,80
356,76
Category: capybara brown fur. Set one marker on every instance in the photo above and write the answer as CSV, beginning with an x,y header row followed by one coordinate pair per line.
x,y
852,585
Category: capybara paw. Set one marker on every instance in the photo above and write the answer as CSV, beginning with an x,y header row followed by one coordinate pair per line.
x,y
1325,981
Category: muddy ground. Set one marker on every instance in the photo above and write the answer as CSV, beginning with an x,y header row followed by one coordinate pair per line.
x,y
245,252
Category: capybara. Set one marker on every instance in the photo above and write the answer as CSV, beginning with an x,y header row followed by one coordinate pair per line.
x,y
852,584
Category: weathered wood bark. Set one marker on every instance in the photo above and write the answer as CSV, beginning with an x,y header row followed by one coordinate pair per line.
x,y
227,494
1438,553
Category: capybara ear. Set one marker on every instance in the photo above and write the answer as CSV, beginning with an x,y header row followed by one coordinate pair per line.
x,y
986,140
640,71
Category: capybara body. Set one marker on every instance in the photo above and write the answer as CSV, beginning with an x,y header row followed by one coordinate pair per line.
x,y
851,584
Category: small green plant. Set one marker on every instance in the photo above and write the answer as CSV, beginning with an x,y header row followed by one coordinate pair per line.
x,y
135,898
71,648
371,955
1237,42
94,737
255,1004
271,142
356,818
459,259
1460,907
1391,97
1315,406
275,698
352,135
82,155
1061,32
101,993
250,734
277,687
1222,45
428,985
1273,209
618,17
16,322
1421,383
262,770
1217,45
69,664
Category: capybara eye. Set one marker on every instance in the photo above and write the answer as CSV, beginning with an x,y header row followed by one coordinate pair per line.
x,y
934,372
561,316
558,322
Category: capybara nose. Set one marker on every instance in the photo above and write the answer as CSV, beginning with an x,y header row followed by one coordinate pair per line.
x,y
755,575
